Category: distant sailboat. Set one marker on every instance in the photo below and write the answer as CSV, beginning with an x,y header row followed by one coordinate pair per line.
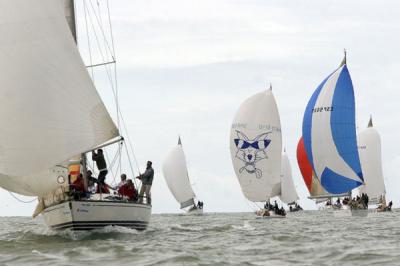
x,y
369,144
177,178
256,147
52,116
288,193
329,134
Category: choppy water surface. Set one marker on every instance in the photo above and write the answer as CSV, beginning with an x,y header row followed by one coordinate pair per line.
x,y
307,238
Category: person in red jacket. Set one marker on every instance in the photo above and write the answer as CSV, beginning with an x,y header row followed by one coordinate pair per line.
x,y
78,187
128,190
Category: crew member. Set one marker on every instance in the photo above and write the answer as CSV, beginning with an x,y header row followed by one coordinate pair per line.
x,y
147,181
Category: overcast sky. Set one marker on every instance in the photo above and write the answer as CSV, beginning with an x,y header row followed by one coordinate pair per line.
x,y
184,67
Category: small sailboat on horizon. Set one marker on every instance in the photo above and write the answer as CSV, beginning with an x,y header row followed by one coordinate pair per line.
x,y
177,177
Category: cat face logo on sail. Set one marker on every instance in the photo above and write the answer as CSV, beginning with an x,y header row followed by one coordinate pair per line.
x,y
251,151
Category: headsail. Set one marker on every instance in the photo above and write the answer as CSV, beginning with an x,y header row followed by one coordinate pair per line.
x,y
51,109
329,133
177,178
369,144
256,146
288,190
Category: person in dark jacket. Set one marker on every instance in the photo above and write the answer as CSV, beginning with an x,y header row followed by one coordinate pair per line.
x,y
101,165
147,181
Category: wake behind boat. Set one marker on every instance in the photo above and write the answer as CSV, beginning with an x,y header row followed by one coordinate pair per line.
x,y
57,118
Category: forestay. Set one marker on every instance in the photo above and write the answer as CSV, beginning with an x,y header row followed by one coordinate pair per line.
x,y
288,190
51,110
177,178
369,144
256,147
329,133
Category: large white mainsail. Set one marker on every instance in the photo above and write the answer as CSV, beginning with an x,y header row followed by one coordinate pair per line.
x,y
288,190
177,178
50,109
369,148
256,147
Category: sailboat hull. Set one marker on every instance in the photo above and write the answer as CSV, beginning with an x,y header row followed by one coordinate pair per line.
x,y
89,215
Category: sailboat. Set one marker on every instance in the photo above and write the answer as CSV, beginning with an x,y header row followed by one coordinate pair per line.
x,y
52,116
329,134
177,178
256,147
369,146
288,193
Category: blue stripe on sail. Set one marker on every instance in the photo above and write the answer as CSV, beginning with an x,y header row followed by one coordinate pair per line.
x,y
337,184
343,123
307,121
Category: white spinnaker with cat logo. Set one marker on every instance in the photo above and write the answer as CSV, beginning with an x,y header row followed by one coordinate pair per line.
x,y
256,147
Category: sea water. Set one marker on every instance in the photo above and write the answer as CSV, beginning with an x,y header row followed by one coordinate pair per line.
x,y
303,238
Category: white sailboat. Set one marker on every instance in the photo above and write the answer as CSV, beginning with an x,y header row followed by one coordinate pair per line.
x,y
288,193
177,177
369,147
256,147
51,116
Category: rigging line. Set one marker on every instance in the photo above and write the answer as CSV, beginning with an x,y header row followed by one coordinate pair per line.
x,y
100,26
130,143
101,52
115,56
88,38
99,19
108,71
130,164
20,200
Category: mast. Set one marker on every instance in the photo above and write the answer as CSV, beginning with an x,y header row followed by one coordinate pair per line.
x,y
69,9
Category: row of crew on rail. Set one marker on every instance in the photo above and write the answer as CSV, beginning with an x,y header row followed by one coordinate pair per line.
x,y
125,188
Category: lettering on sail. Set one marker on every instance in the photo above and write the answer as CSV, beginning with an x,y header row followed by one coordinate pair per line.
x,y
322,109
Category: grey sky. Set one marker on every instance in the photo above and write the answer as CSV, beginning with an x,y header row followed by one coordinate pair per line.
x,y
185,67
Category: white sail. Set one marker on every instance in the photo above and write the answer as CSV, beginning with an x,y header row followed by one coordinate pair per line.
x,y
256,146
69,9
50,108
177,178
369,148
288,190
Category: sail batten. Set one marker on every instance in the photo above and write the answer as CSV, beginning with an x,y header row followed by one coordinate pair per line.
x,y
51,110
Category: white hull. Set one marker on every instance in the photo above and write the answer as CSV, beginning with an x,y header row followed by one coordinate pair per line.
x,y
87,215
